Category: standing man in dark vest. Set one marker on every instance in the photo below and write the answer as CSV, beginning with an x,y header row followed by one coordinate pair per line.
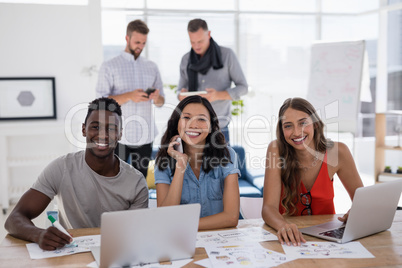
x,y
211,68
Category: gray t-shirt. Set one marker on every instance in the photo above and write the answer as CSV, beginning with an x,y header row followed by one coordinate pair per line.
x,y
83,195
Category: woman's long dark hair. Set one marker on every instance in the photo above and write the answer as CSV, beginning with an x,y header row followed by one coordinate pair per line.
x,y
215,145
290,173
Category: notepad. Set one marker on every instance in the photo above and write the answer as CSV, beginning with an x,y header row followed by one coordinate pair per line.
x,y
192,93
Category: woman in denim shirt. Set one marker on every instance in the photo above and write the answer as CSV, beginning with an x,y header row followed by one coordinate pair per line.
x,y
207,170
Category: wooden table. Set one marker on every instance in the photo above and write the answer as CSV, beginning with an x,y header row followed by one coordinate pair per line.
x,y
385,246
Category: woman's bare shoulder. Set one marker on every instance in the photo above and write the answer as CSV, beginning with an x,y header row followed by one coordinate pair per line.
x,y
338,153
273,147
338,148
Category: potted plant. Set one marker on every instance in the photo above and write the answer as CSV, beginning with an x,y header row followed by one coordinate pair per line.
x,y
399,170
387,169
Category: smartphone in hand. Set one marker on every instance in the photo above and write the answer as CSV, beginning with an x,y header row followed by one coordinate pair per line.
x,y
149,91
179,147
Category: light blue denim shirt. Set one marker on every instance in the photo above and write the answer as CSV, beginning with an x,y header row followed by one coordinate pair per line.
x,y
207,190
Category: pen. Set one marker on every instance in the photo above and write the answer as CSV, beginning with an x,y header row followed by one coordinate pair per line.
x,y
59,227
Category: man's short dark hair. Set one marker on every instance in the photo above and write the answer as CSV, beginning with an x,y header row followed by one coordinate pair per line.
x,y
137,26
195,24
104,104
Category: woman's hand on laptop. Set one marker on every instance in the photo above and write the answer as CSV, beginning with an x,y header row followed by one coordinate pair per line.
x,y
289,233
344,218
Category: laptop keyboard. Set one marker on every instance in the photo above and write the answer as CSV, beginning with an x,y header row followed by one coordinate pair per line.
x,y
336,233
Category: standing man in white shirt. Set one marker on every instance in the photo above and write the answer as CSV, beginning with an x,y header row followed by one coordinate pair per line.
x,y
135,83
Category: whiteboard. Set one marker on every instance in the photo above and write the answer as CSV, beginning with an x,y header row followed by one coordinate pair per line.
x,y
335,83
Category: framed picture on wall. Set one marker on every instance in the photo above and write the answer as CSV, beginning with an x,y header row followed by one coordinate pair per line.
x,y
25,98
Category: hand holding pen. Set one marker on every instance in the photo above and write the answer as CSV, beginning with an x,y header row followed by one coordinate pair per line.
x,y
55,237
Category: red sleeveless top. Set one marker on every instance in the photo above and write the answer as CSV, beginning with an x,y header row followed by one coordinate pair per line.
x,y
322,194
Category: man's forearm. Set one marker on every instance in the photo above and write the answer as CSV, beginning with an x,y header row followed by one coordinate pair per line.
x,y
224,95
122,98
22,228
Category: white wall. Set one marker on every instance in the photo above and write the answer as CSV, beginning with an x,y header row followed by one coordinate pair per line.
x,y
49,41
53,40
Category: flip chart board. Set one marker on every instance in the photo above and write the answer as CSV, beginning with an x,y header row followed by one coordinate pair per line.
x,y
335,83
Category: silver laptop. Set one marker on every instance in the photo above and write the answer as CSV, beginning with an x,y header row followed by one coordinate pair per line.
x,y
373,210
142,236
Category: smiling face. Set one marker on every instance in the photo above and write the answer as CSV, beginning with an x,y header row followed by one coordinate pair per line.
x,y
194,124
298,129
136,43
102,131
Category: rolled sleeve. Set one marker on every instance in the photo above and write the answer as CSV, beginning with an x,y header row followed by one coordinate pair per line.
x,y
141,198
162,176
237,76
158,81
183,81
231,168
104,85
50,179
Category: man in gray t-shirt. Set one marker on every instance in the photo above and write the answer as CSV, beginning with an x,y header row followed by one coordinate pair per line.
x,y
85,183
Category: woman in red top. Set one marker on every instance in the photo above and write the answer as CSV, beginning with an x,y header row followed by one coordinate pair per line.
x,y
299,171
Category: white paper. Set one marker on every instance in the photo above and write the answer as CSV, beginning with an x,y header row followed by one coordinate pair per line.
x,y
205,263
234,237
246,255
173,264
326,250
92,265
83,244
247,223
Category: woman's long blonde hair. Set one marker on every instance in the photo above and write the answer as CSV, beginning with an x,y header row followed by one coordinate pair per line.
x,y
290,173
